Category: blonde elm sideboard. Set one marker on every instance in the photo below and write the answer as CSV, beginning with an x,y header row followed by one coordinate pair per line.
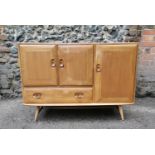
x,y
78,74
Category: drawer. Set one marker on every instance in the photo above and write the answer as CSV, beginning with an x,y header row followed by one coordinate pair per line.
x,y
57,95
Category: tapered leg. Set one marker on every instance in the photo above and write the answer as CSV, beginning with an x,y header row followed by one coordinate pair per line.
x,y
120,108
38,109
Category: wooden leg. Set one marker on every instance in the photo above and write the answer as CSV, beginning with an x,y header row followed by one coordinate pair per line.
x,y
120,108
38,109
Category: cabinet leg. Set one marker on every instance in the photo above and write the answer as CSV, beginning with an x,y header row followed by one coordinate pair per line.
x,y
38,109
120,108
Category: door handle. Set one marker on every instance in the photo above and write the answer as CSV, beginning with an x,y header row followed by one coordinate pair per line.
x,y
61,64
37,95
79,95
98,68
53,64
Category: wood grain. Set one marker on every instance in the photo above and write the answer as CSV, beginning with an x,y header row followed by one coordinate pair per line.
x,y
116,80
82,104
57,95
36,65
109,80
120,108
78,64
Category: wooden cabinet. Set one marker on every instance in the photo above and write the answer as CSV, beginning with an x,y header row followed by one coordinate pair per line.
x,y
78,74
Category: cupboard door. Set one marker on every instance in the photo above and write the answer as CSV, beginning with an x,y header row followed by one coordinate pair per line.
x,y
38,65
75,64
115,67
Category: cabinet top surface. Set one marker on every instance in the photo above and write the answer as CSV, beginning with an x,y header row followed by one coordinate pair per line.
x,y
92,43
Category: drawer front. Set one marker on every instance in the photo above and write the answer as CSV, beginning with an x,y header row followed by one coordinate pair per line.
x,y
57,95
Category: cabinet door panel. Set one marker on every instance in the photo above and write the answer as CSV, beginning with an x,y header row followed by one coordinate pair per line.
x,y
38,65
115,73
75,64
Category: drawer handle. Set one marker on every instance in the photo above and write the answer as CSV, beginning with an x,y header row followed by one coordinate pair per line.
x,y
61,64
98,68
53,65
79,95
37,95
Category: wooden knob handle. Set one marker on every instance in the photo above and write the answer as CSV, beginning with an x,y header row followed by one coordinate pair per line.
x,y
98,68
37,95
53,65
61,64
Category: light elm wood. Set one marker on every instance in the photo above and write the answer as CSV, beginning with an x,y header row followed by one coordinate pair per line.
x,y
38,65
115,70
77,104
38,109
120,108
57,95
75,64
78,74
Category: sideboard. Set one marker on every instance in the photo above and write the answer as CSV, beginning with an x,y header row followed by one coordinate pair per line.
x,y
78,74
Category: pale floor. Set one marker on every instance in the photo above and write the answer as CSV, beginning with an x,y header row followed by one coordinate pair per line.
x,y
13,115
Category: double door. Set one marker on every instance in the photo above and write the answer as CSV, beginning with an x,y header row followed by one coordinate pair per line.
x,y
51,65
